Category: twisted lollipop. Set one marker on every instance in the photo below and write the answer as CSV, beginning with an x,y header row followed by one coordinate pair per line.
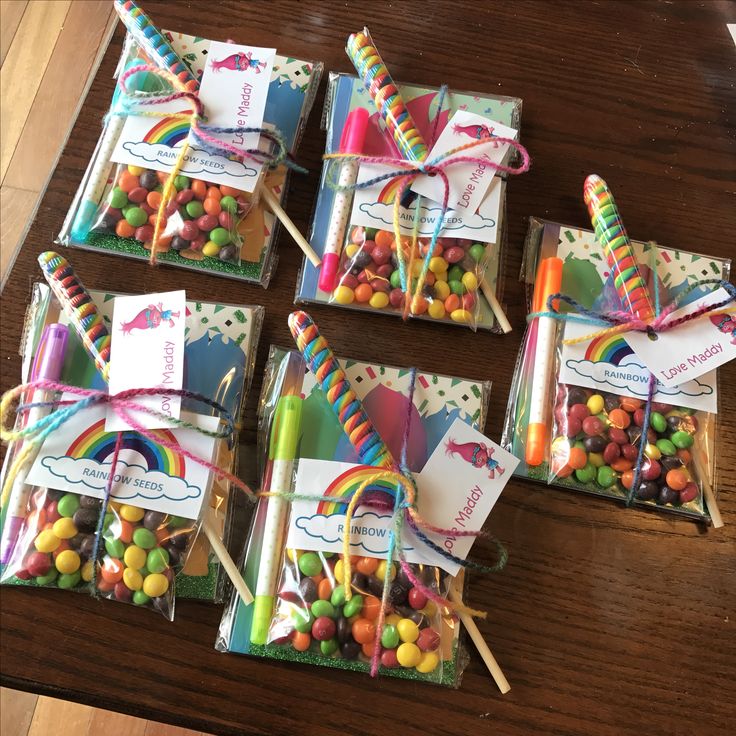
x,y
611,234
341,397
386,96
79,307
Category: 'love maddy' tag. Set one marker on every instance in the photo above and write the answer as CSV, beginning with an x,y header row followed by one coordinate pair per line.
x,y
147,351
469,183
457,489
691,349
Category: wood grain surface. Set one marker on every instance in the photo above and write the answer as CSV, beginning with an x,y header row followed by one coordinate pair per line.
x,y
606,620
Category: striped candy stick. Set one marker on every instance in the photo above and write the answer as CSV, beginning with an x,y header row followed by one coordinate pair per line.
x,y
341,397
384,93
611,234
79,308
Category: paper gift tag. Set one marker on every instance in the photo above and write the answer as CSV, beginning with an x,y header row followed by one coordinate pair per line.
x,y
458,487
692,349
147,351
469,183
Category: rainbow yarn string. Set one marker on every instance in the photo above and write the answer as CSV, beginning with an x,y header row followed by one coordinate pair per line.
x,y
611,234
79,307
384,93
319,358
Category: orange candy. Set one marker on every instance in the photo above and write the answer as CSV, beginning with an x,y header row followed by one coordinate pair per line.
x,y
300,641
104,586
324,589
685,456
578,458
371,607
199,188
214,193
126,531
363,293
677,479
384,238
627,479
368,648
162,176
364,631
152,222
318,578
419,305
112,570
212,206
128,182
63,545
230,191
36,520
621,464
153,199
630,405
366,565
162,534
452,303
619,418
124,230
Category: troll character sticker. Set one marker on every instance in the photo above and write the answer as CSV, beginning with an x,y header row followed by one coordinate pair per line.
x,y
147,351
478,454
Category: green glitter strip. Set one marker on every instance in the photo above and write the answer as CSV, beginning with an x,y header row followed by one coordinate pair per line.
x,y
198,587
246,271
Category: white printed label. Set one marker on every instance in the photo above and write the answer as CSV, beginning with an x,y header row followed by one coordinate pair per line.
x,y
147,351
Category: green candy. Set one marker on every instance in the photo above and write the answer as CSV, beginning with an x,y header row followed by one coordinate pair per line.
x,y
48,578
680,439
194,208
115,548
310,564
144,538
353,606
303,620
220,236
338,596
136,216
229,204
395,279
328,647
176,522
68,504
666,447
586,474
657,422
69,579
323,608
118,198
390,637
181,182
455,274
580,445
606,477
456,287
109,519
157,560
140,598
477,252
370,233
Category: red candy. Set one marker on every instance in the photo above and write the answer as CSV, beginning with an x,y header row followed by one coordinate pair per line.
x,y
388,658
417,599
323,628
37,564
428,640
592,426
579,411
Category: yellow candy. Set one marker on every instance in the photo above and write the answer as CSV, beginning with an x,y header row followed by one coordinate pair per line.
x,y
596,459
351,250
381,570
460,315
293,555
441,276
652,451
392,619
470,281
155,584
64,528
428,662
561,446
408,630
210,248
46,541
131,513
409,654
87,570
441,289
438,265
67,561
436,309
135,557
135,170
343,295
339,571
379,300
430,609
416,268
596,404
133,579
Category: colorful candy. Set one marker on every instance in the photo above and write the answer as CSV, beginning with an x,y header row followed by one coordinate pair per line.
x,y
611,234
386,96
601,450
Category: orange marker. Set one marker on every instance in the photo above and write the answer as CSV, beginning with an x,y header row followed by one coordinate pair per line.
x,y
548,282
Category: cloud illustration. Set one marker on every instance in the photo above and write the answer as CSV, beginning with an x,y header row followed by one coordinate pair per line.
x,y
633,377
131,481
384,213
369,530
195,163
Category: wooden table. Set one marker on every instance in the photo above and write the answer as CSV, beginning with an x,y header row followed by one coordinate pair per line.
x,y
606,620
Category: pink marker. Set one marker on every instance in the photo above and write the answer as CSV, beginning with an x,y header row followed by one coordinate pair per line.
x,y
351,141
